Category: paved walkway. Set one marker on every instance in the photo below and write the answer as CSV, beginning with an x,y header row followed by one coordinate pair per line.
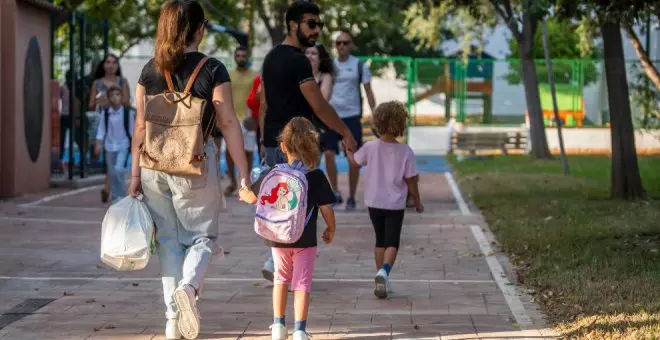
x,y
448,283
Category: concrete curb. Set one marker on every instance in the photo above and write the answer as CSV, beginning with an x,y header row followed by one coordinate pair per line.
x,y
76,183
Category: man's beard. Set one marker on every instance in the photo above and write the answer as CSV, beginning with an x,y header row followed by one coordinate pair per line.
x,y
305,41
241,64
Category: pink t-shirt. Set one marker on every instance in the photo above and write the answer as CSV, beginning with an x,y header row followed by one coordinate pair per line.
x,y
387,165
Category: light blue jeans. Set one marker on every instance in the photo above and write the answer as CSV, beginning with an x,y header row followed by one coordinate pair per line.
x,y
116,164
185,211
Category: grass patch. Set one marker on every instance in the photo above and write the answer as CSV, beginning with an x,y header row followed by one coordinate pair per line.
x,y
592,263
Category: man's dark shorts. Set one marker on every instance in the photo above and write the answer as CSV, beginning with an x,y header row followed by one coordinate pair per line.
x,y
330,139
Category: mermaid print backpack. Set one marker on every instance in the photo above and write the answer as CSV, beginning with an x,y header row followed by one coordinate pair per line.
x,y
282,204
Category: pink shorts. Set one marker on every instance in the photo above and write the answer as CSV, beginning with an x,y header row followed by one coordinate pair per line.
x,y
294,266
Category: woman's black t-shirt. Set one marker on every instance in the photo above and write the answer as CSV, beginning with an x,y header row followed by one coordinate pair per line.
x,y
319,193
213,73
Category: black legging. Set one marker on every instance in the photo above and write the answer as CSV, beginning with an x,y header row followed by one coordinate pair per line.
x,y
387,225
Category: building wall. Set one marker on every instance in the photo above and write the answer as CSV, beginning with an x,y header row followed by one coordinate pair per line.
x,y
7,38
25,169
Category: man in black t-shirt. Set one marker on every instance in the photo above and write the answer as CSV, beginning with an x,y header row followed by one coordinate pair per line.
x,y
289,86
289,89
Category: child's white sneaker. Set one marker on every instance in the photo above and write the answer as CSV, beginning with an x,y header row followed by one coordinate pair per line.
x,y
381,284
172,330
278,331
300,335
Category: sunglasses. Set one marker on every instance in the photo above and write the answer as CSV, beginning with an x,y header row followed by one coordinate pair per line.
x,y
312,24
342,42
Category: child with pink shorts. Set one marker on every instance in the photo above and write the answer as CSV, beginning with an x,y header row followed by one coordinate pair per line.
x,y
294,263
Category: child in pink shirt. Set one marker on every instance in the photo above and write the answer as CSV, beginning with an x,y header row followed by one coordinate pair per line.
x,y
390,173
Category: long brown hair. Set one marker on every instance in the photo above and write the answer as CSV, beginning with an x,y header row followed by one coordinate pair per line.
x,y
301,139
177,24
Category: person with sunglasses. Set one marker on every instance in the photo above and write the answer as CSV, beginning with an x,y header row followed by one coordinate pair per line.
x,y
289,90
346,99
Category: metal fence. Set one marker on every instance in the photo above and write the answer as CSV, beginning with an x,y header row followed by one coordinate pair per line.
x,y
484,91
77,48
492,92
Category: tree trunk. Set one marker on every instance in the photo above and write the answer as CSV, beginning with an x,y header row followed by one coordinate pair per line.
x,y
626,182
276,12
650,70
537,128
551,80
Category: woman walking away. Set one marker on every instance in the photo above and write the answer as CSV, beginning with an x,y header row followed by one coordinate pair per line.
x,y
175,161
294,262
390,172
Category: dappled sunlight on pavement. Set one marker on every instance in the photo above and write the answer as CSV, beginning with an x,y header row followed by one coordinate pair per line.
x,y
443,285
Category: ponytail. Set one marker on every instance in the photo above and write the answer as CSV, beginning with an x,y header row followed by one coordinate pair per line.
x,y
301,139
177,24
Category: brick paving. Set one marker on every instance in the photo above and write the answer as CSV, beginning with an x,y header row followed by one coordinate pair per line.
x,y
443,286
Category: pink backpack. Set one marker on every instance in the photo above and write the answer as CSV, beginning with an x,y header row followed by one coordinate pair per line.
x,y
282,204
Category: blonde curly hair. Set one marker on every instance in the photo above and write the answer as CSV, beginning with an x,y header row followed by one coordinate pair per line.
x,y
390,118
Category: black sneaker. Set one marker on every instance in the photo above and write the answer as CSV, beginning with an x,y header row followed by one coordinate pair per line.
x,y
338,198
350,204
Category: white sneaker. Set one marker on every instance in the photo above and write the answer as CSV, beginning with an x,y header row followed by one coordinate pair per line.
x,y
269,269
185,300
278,331
300,335
381,284
172,330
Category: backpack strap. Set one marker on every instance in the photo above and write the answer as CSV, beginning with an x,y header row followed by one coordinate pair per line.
x,y
189,85
106,114
127,117
297,165
186,91
309,216
191,80
193,76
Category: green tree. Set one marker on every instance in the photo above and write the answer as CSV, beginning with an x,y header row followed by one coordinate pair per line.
x,y
376,24
522,17
611,15
566,42
131,22
431,24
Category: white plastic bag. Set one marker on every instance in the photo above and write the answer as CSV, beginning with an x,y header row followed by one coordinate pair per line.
x,y
127,236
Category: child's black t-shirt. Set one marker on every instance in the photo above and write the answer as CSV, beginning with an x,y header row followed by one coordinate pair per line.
x,y
319,193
